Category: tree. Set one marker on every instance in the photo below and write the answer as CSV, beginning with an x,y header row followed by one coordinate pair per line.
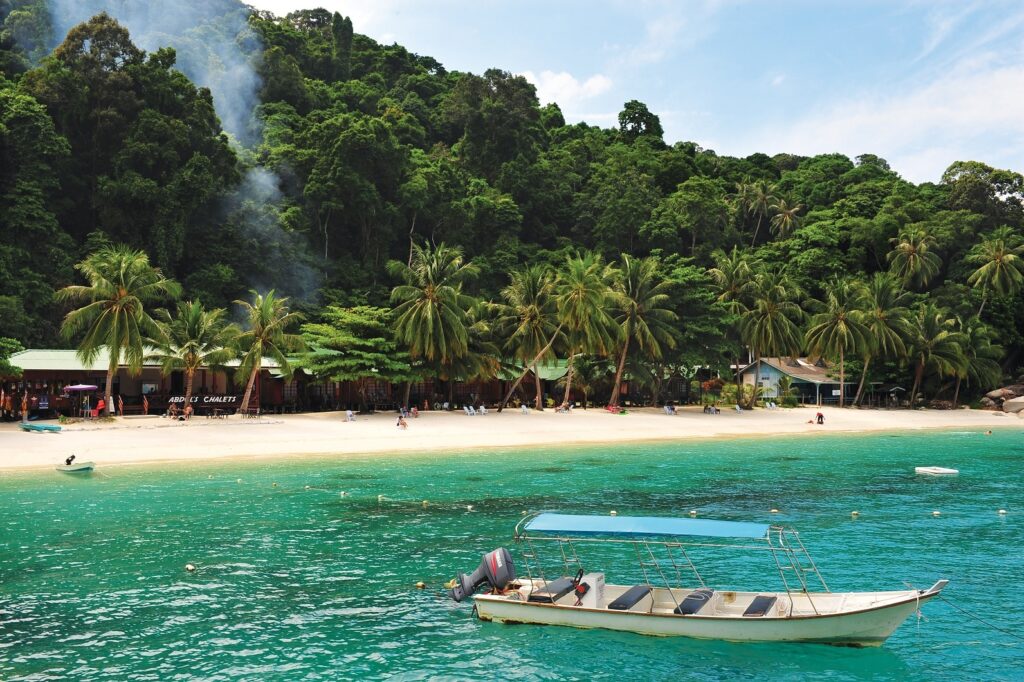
x,y
757,199
121,283
355,344
1000,261
528,318
636,121
769,324
733,276
268,319
641,295
698,206
9,347
786,218
838,329
980,356
430,306
935,345
883,307
194,338
913,259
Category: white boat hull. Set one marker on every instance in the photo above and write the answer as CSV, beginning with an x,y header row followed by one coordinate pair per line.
x,y
78,468
936,471
875,616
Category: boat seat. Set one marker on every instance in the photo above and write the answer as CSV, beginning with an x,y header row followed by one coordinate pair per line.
x,y
761,605
630,598
694,602
552,591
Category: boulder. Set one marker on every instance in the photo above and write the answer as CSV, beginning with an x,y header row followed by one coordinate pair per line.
x,y
1016,389
1013,405
988,404
998,394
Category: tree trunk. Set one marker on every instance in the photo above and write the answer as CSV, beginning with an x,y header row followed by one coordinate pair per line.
x,y
863,377
189,376
110,387
918,373
753,393
568,384
956,393
408,391
527,370
842,380
412,229
361,387
984,299
539,398
757,229
248,388
613,401
451,393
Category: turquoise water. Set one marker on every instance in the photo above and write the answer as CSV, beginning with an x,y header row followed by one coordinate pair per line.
x,y
297,583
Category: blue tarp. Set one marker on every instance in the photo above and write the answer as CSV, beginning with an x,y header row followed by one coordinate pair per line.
x,y
572,524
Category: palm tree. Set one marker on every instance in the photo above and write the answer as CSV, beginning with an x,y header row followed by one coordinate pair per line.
x,y
980,356
838,328
641,296
121,283
769,325
268,317
912,259
584,301
884,311
195,338
786,219
1000,265
733,275
528,318
936,345
757,198
430,307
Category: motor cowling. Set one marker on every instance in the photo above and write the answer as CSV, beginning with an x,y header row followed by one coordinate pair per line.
x,y
496,569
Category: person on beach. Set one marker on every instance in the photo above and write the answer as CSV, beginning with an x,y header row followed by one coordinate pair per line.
x,y
820,417
188,413
402,424
415,412
172,410
349,417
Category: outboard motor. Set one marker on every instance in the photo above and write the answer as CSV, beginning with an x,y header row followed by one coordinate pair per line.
x,y
496,569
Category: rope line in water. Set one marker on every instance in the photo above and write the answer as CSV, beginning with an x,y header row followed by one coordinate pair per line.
x,y
981,620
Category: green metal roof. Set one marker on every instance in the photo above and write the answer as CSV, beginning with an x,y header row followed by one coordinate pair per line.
x,y
550,371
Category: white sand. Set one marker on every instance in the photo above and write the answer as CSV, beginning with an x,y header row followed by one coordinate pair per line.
x,y
149,439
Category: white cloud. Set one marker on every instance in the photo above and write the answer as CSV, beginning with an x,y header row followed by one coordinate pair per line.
x,y
966,114
562,87
778,80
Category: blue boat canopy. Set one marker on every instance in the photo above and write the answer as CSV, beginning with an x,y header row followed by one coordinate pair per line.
x,y
573,524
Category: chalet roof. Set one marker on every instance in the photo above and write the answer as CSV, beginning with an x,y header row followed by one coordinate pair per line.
x,y
801,369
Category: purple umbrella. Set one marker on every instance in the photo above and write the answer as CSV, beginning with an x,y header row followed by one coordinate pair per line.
x,y
81,387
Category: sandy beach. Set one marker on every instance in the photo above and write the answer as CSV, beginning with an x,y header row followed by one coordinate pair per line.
x,y
149,439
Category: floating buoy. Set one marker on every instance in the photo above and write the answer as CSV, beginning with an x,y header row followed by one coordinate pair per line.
x,y
936,513
1001,512
693,512
420,585
210,476
190,567
469,507
773,511
450,584
307,487
614,513
381,498
342,494
425,503
239,481
275,485
855,513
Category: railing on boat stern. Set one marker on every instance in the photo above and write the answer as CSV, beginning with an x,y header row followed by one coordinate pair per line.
x,y
793,562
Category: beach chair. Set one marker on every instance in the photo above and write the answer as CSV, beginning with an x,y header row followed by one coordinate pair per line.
x,y
465,408
668,410
524,409
738,408
483,409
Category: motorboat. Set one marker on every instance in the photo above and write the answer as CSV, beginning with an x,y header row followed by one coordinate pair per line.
x,y
39,428
936,471
76,467
672,598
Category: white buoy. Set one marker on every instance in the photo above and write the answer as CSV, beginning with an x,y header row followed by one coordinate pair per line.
x,y
425,503
307,487
420,585
693,512
342,494
855,513
380,498
614,513
190,567
469,507
275,485
1001,512
239,481
210,476
936,513
774,511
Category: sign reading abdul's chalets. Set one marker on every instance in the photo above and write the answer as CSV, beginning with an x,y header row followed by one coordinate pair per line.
x,y
210,399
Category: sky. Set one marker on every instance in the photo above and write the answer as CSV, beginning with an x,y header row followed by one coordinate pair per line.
x,y
920,83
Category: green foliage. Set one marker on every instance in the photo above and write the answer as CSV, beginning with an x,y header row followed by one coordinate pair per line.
x,y
9,347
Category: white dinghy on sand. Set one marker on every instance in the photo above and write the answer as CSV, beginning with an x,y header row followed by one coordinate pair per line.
x,y
794,614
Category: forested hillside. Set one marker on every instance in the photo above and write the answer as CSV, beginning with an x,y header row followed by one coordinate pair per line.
x,y
358,151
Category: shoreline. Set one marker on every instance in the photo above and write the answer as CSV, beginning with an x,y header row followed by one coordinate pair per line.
x,y
135,441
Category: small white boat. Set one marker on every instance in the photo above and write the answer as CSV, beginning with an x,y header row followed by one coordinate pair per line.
x,y
794,614
76,468
936,471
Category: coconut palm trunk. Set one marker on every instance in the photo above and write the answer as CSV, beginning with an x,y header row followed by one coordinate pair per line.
x,y
190,376
568,386
956,392
863,378
753,393
842,378
111,370
613,401
538,398
248,388
526,371
918,375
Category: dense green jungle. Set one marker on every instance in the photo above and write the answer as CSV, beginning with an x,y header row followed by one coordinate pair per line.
x,y
246,152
